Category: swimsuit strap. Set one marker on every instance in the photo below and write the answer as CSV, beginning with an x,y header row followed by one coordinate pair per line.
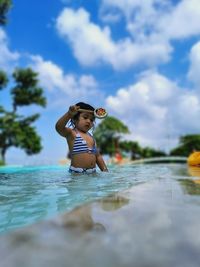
x,y
77,132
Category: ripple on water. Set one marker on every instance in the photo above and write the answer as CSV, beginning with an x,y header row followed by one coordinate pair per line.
x,y
29,194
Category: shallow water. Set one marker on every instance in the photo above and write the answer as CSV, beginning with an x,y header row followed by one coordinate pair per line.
x,y
30,194
154,222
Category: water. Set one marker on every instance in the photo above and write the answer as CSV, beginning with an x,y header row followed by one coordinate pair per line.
x,y
30,194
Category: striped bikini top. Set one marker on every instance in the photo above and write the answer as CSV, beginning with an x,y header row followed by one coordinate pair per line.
x,y
80,145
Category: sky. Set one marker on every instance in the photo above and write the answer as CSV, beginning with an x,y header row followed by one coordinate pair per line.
x,y
139,59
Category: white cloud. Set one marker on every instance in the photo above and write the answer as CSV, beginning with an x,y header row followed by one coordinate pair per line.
x,y
156,109
51,76
127,7
157,17
7,58
141,15
89,42
65,88
183,21
92,44
151,25
148,94
187,113
194,70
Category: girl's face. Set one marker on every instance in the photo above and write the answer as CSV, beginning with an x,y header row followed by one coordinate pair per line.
x,y
85,121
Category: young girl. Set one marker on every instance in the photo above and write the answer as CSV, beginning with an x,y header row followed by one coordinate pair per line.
x,y
82,146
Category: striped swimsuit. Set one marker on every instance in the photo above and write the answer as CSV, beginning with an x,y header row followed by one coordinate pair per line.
x,y
80,146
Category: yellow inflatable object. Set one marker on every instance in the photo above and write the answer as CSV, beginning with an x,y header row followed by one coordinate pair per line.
x,y
194,171
194,159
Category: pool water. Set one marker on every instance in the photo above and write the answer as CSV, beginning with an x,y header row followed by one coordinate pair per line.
x,y
30,194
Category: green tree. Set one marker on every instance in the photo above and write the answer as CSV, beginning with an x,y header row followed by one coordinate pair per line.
x,y
108,134
148,152
3,79
131,146
187,144
17,130
5,5
138,151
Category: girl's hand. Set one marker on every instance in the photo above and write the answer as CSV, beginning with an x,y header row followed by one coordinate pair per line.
x,y
73,110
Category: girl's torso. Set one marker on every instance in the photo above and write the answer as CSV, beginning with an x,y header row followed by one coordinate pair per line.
x,y
82,150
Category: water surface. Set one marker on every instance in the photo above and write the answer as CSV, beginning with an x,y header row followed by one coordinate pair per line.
x,y
30,194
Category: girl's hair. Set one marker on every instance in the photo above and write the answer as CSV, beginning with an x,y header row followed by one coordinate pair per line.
x,y
82,105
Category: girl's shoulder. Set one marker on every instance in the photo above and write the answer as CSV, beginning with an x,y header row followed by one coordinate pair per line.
x,y
72,134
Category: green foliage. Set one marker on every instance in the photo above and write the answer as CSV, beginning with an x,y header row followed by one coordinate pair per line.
x,y
111,127
26,91
149,152
108,133
132,147
17,130
5,5
138,152
32,144
3,79
187,144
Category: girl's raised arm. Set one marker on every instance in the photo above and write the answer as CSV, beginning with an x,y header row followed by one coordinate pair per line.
x,y
61,123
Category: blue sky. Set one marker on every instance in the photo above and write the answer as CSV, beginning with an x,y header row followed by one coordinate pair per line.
x,y
138,59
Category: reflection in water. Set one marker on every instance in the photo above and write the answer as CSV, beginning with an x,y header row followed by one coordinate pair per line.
x,y
194,171
113,202
191,187
151,224
30,194
80,219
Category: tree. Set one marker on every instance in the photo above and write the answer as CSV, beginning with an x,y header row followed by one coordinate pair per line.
x,y
108,134
5,5
139,152
131,146
187,144
17,130
148,152
3,79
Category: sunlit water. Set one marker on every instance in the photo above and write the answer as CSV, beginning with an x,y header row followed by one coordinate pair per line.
x,y
30,194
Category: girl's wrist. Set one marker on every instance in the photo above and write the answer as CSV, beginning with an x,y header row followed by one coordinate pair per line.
x,y
70,113
105,169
